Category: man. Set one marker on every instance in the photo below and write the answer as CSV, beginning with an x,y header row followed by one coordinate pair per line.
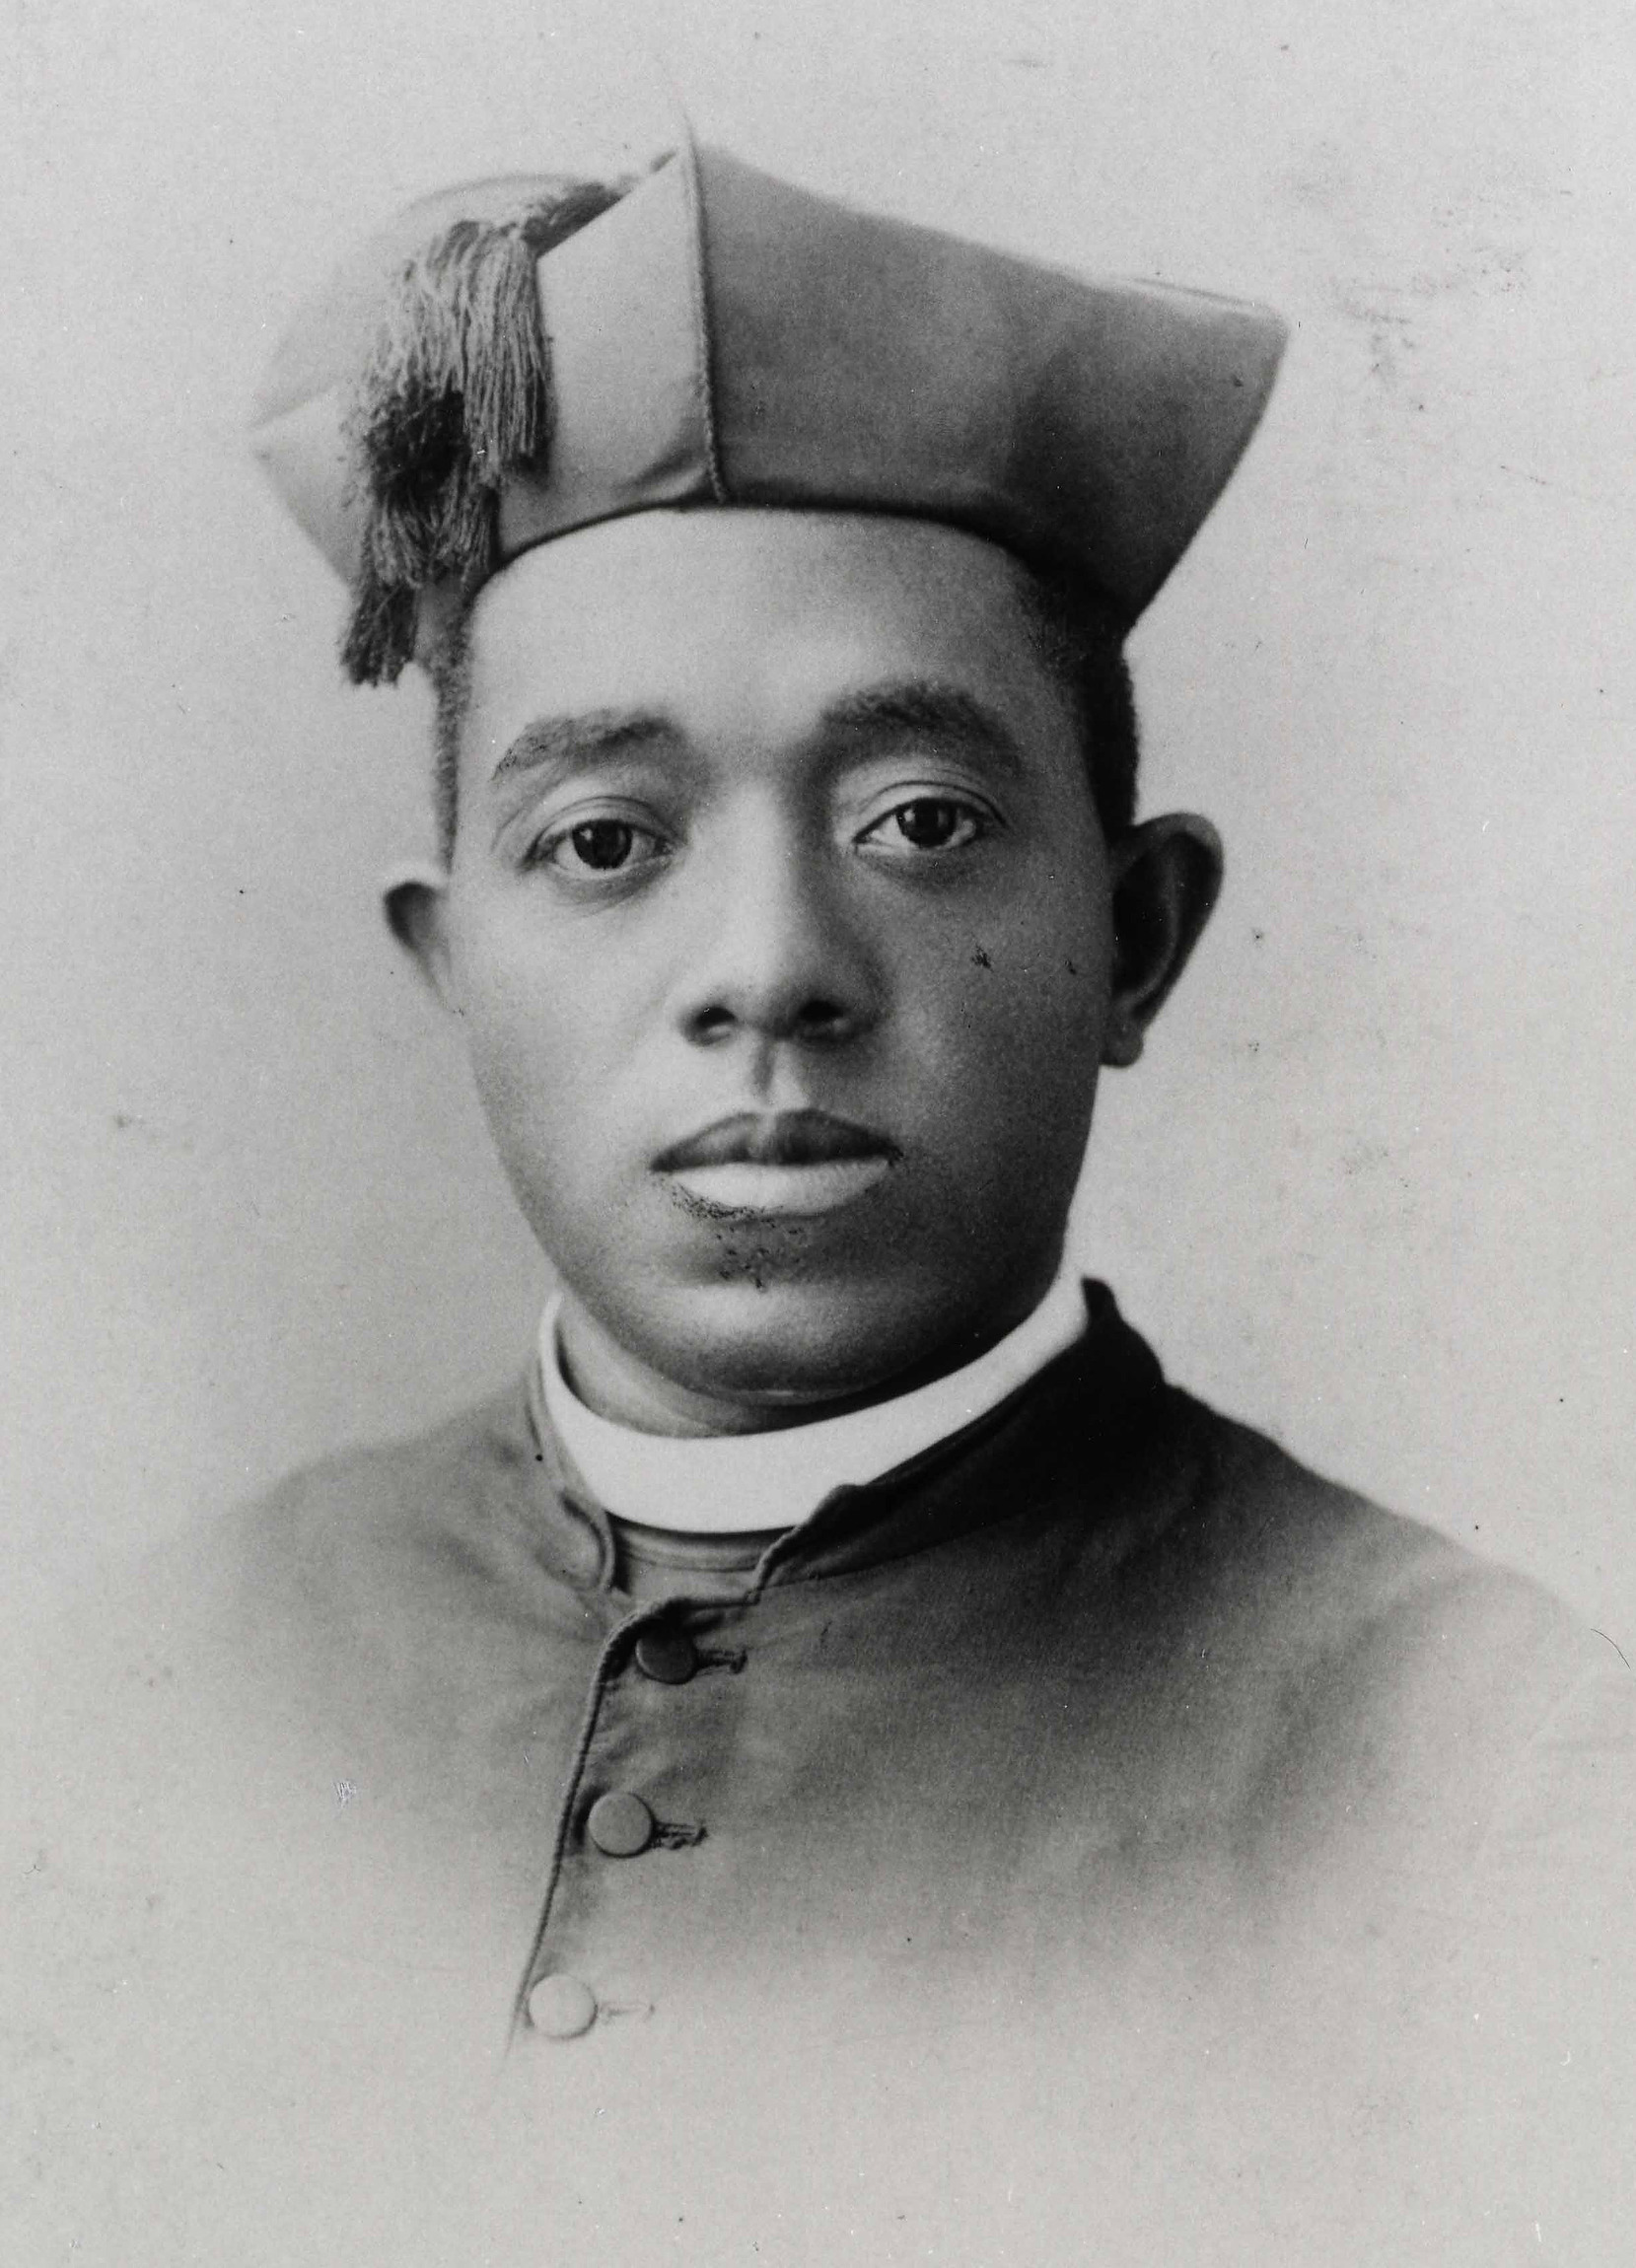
x,y
844,1761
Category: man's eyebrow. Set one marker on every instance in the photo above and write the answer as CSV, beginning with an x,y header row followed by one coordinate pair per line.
x,y
927,705
568,742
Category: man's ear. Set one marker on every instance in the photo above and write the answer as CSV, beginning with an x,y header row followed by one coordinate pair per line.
x,y
1166,877
415,902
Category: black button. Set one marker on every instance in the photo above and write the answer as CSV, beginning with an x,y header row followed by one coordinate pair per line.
x,y
667,1655
619,1825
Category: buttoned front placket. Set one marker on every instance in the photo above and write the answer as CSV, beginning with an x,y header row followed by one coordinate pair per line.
x,y
725,1738
659,1716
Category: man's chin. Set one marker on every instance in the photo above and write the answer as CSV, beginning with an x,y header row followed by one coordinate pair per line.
x,y
791,1350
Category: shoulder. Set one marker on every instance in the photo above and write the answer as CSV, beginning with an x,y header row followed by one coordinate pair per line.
x,y
328,1583
355,1549
1325,1572
1371,1657
1212,1522
187,1884
400,1499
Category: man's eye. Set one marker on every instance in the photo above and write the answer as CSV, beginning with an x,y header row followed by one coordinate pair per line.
x,y
599,846
926,824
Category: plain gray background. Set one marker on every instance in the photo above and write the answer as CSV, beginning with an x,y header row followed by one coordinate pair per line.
x,y
1372,1187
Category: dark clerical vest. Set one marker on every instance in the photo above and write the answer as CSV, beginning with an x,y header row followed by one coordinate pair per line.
x,y
1098,1840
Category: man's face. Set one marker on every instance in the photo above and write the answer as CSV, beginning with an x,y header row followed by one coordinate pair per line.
x,y
778,919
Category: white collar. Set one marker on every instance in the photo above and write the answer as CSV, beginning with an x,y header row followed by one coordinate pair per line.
x,y
730,1484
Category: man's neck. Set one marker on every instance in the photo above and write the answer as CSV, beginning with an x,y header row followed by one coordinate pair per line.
x,y
619,1387
775,1478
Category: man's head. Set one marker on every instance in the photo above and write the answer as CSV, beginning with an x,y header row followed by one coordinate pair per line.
x,y
772,563
779,824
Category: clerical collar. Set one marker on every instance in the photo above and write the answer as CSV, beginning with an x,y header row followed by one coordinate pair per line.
x,y
733,1484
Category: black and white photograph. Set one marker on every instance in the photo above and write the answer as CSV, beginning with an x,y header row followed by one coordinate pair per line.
x,y
819,1067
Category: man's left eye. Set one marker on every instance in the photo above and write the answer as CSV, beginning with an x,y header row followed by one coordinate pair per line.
x,y
926,824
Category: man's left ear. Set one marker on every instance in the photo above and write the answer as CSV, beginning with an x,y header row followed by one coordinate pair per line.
x,y
1166,876
415,902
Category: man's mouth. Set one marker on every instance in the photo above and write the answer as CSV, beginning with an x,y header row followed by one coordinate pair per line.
x,y
784,1163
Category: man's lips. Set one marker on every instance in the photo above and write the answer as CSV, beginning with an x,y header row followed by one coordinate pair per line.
x,y
791,1163
775,1138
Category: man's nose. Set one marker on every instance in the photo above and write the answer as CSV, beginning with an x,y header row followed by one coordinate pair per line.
x,y
779,952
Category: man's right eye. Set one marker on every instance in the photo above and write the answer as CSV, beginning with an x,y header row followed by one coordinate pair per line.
x,y
599,846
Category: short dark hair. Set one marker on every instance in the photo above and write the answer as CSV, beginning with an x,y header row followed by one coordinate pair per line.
x,y
1082,642
1078,639
449,666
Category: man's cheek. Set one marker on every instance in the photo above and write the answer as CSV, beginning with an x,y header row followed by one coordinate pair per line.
x,y
525,1084
1035,1024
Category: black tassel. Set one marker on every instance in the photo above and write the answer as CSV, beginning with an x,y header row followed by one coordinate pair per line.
x,y
455,392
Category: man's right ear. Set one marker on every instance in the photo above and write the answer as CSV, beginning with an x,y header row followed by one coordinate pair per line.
x,y
415,902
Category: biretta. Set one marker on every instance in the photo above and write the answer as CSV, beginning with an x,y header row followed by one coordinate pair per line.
x,y
517,359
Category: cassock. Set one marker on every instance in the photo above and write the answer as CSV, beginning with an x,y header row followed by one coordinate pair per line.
x,y
1096,1838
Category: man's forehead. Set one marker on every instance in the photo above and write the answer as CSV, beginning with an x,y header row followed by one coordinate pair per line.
x,y
814,614
679,564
